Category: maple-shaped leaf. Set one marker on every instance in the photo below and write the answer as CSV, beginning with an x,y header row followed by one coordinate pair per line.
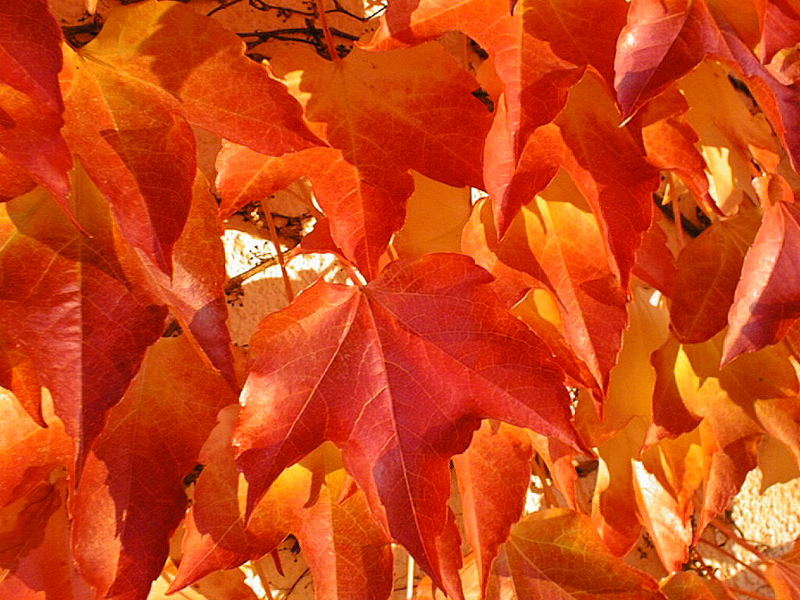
x,y
363,210
307,500
698,312
557,554
493,478
131,495
195,294
67,305
767,298
398,374
30,98
377,108
196,60
123,131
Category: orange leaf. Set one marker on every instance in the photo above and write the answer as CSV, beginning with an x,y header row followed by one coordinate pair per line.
x,y
195,59
556,554
493,478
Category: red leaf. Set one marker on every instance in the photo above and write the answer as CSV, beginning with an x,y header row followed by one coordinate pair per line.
x,y
30,99
493,478
571,29
378,110
195,59
700,310
781,27
195,294
122,130
131,494
363,210
767,298
67,305
661,42
305,500
401,374
43,567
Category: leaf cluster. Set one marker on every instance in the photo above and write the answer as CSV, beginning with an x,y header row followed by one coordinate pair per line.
x,y
614,321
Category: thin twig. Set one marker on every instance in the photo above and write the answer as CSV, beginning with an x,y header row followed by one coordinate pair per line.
x,y
736,590
237,280
727,531
734,558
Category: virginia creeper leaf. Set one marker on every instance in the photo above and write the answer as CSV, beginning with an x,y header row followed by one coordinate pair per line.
x,y
66,303
195,294
363,211
698,312
688,585
30,98
493,478
378,110
556,554
195,59
669,528
307,500
123,131
402,373
131,495
44,567
767,298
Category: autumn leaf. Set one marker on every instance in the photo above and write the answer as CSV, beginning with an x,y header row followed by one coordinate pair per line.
x,y
493,479
30,99
306,500
715,257
120,536
362,212
171,47
122,147
68,306
404,349
195,294
556,553
376,108
765,303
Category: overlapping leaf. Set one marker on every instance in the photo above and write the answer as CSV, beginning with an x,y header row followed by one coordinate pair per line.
x,y
67,305
307,500
131,495
30,99
400,375
363,213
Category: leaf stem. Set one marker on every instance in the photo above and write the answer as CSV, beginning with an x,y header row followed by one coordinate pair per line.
x,y
273,234
323,20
